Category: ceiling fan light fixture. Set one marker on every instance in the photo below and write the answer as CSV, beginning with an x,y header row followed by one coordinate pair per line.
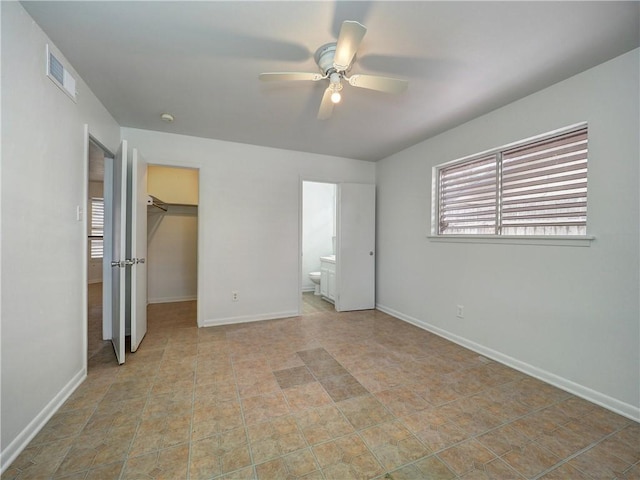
x,y
335,60
335,86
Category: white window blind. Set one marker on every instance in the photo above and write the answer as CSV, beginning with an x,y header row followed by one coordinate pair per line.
x,y
468,197
97,227
535,188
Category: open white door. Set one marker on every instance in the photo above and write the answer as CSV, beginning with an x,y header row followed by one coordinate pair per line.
x,y
138,248
118,251
356,247
107,249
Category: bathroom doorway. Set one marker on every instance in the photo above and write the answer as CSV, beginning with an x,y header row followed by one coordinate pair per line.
x,y
318,246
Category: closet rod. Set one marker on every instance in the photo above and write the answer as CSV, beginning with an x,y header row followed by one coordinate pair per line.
x,y
154,202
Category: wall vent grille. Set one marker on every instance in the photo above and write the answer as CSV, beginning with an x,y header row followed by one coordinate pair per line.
x,y
60,75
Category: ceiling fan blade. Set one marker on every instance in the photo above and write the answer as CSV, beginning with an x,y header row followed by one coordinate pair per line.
x,y
326,106
358,11
351,34
282,76
381,84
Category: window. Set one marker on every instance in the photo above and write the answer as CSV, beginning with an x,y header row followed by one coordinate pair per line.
x,y
535,187
97,227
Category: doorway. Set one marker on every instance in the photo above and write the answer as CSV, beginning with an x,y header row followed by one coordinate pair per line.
x,y
98,335
172,238
347,270
318,246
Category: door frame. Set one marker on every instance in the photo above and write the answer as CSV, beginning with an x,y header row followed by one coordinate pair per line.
x,y
106,326
108,155
200,276
338,184
302,180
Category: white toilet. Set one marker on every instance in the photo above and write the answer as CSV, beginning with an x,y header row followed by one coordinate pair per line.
x,y
315,278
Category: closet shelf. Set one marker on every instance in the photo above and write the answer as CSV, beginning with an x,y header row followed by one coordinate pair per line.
x,y
155,202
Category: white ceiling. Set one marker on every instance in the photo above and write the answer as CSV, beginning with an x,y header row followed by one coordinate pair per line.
x,y
200,61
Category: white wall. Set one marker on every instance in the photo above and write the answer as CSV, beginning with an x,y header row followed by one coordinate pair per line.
x,y
249,213
569,315
44,179
172,255
318,225
173,185
94,275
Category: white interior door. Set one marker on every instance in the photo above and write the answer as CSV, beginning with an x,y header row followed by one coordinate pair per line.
x,y
138,248
356,246
107,249
118,251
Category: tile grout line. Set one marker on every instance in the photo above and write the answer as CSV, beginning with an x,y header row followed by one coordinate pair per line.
x,y
579,452
194,387
476,436
358,431
334,405
245,426
317,336
139,422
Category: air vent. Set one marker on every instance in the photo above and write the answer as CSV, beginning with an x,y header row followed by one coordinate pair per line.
x,y
60,75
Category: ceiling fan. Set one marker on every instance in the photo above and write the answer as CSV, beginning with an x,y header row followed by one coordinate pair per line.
x,y
335,60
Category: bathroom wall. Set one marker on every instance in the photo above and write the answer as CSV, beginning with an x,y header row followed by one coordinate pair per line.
x,y
318,227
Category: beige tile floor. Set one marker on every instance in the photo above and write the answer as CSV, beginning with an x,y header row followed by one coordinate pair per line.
x,y
314,304
94,334
322,396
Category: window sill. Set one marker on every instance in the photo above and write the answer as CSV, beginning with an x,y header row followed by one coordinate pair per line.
x,y
551,240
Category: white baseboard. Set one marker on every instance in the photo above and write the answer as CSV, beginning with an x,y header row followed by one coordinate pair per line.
x,y
610,403
186,298
247,318
309,289
9,454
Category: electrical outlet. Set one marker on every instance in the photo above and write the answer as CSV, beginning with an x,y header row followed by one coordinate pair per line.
x,y
234,296
460,311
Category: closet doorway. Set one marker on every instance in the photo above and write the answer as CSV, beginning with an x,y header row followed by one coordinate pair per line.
x,y
172,241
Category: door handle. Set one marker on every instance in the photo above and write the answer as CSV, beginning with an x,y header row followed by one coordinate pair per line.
x,y
139,260
122,263
371,253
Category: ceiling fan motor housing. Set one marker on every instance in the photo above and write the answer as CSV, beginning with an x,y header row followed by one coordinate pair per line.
x,y
324,58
